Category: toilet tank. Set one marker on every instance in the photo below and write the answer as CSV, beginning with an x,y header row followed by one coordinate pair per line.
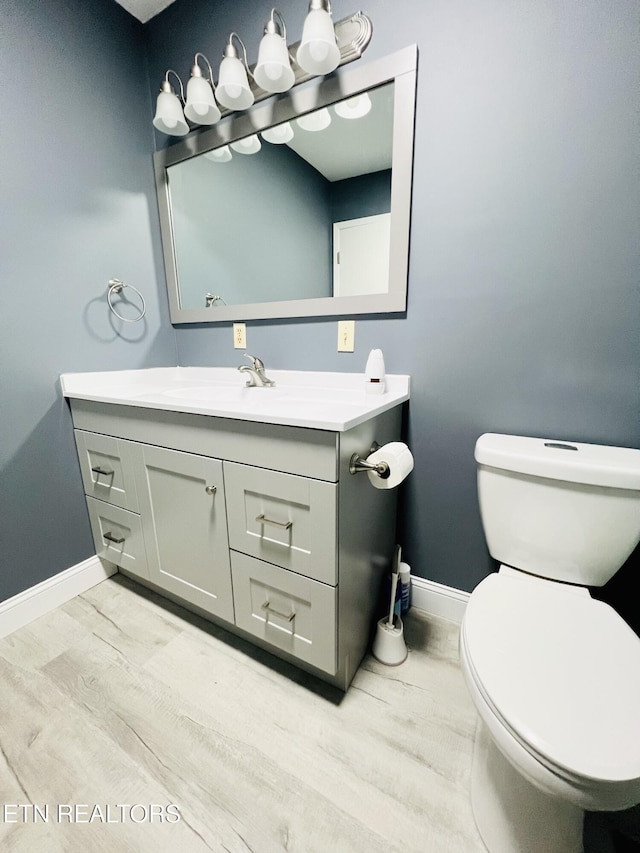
x,y
558,509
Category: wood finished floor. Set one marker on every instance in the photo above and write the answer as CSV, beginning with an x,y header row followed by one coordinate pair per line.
x,y
120,697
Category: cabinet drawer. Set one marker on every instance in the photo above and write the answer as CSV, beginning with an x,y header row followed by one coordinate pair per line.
x,y
283,519
117,534
106,469
293,613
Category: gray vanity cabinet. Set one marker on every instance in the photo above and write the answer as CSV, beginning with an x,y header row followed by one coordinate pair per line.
x,y
260,527
182,506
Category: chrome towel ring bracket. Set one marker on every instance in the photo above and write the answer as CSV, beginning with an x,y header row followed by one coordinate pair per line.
x,y
115,287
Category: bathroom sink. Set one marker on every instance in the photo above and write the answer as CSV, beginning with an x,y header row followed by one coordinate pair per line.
x,y
258,396
213,393
319,400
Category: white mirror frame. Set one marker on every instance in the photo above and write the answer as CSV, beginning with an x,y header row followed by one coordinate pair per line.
x,y
399,68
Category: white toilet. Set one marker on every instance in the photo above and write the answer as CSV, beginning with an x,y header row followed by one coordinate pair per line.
x,y
554,673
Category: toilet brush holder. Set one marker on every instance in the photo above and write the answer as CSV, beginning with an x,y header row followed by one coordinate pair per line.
x,y
388,645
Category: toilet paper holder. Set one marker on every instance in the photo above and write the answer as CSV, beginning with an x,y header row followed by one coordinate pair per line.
x,y
358,463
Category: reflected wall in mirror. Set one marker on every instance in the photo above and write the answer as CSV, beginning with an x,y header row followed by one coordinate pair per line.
x,y
299,207
265,220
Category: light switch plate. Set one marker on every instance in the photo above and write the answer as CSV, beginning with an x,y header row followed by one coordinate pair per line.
x,y
239,336
346,335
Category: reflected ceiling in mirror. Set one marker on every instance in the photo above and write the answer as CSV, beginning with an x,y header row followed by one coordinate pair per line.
x,y
297,208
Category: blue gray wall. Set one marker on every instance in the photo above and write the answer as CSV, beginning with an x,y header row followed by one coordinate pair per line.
x,y
523,312
229,217
78,207
366,195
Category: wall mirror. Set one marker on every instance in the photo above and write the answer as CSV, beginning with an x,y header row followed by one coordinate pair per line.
x,y
299,207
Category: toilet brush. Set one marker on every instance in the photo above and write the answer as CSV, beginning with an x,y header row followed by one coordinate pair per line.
x,y
388,645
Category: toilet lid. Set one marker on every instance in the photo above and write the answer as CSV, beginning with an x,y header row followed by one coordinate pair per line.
x,y
562,670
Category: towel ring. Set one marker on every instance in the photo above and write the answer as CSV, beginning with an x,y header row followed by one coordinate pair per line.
x,y
210,300
117,286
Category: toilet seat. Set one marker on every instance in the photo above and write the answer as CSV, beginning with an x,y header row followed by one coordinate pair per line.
x,y
561,671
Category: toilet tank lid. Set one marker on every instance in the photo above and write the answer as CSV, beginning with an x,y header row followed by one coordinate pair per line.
x,y
593,464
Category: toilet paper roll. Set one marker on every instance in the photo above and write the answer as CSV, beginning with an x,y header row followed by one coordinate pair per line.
x,y
399,459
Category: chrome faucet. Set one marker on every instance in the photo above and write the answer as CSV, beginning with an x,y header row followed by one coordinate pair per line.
x,y
257,376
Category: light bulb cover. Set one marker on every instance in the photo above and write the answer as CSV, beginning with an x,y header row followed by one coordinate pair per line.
x,y
355,107
248,145
233,90
318,120
201,107
219,155
169,117
279,134
273,71
318,52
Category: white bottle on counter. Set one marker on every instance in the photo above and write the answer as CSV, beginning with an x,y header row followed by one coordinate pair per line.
x,y
374,373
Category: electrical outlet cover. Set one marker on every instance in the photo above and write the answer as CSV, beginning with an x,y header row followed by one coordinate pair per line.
x,y
239,336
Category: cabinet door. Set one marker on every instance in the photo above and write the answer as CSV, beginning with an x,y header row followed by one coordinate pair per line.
x,y
183,515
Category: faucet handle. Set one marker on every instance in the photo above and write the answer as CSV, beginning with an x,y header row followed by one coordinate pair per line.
x,y
256,362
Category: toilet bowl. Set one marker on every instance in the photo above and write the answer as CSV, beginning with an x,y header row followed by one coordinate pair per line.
x,y
554,673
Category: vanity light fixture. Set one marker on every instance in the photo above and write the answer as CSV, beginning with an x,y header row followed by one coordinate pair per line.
x,y
248,145
318,52
318,120
233,88
355,107
169,117
201,107
323,47
273,71
279,134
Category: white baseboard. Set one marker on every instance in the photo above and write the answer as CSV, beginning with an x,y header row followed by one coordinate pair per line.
x,y
16,612
438,599
19,610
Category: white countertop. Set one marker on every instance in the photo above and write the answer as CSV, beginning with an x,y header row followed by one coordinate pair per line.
x,y
318,400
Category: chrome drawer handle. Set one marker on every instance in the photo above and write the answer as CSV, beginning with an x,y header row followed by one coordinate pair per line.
x,y
211,490
283,525
289,617
108,472
118,540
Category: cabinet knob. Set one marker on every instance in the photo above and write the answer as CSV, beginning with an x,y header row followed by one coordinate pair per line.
x,y
210,490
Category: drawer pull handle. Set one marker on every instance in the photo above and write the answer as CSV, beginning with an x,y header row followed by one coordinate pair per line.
x,y
211,490
108,472
283,525
118,540
289,617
